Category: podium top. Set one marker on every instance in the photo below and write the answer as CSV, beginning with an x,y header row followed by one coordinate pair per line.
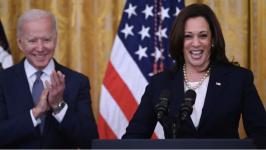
x,y
174,144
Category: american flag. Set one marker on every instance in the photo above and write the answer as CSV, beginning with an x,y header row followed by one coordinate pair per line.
x,y
140,50
6,59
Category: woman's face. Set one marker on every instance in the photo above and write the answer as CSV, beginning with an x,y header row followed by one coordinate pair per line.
x,y
197,42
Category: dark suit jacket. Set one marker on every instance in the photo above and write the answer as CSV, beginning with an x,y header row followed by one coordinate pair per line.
x,y
77,129
222,109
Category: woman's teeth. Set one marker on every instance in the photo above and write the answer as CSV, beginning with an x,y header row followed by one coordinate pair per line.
x,y
195,52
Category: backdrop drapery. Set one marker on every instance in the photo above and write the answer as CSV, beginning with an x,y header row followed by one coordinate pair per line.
x,y
87,28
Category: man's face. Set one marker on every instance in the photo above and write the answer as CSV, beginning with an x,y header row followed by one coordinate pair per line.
x,y
38,41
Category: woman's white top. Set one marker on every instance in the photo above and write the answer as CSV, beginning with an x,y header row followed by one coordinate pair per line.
x,y
200,99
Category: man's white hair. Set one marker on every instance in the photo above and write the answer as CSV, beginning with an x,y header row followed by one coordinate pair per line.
x,y
34,14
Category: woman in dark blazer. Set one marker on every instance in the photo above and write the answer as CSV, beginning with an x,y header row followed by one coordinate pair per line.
x,y
224,90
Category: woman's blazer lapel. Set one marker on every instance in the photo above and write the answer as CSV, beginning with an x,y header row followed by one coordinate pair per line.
x,y
216,86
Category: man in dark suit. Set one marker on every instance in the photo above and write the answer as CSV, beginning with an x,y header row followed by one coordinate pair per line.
x,y
42,103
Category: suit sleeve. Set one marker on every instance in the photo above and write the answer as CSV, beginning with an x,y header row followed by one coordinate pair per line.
x,y
143,123
15,128
253,113
79,123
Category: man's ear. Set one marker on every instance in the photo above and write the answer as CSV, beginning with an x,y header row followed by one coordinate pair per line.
x,y
56,41
19,43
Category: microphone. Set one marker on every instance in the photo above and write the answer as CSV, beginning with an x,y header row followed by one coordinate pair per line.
x,y
186,107
161,109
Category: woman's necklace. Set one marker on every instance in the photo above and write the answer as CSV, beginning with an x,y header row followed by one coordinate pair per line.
x,y
201,81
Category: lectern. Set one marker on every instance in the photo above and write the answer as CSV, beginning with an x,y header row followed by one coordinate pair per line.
x,y
174,144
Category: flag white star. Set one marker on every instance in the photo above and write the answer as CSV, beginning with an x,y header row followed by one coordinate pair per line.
x,y
162,33
164,13
128,30
148,11
141,52
158,54
150,74
144,32
177,10
131,10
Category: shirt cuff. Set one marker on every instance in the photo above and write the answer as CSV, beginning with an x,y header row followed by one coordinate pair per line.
x,y
35,122
60,116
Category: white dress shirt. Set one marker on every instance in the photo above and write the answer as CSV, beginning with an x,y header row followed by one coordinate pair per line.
x,y
200,99
31,76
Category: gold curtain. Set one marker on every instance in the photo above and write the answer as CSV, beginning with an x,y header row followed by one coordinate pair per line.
x,y
258,45
86,30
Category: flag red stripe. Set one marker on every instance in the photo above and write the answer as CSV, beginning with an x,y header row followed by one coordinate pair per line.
x,y
154,136
120,92
105,132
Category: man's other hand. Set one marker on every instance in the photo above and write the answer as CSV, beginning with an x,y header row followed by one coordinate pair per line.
x,y
56,88
42,105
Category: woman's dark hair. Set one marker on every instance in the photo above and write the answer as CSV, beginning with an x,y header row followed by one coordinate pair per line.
x,y
176,42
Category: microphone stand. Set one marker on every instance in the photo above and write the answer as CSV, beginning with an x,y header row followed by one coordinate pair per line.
x,y
178,122
177,125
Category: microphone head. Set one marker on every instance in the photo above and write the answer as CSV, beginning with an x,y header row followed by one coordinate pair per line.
x,y
190,95
166,95
161,109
